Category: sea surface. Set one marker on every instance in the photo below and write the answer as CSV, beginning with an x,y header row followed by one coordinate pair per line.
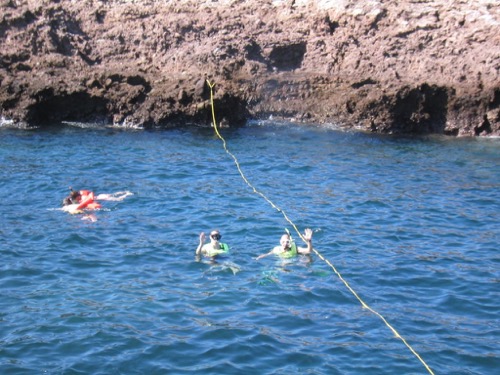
x,y
411,225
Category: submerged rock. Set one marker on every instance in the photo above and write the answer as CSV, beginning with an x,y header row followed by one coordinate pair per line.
x,y
383,66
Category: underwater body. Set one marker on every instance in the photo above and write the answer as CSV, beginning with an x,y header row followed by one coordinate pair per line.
x,y
411,224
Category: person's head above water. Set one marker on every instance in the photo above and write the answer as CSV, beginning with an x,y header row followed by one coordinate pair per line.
x,y
72,198
285,241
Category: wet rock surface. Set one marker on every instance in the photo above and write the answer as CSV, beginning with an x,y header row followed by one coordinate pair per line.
x,y
409,67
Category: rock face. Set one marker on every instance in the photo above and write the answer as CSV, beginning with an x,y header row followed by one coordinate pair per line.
x,y
405,66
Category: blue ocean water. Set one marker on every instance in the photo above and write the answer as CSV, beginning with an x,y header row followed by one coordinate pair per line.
x,y
411,224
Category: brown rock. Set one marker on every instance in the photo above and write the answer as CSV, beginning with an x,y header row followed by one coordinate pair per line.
x,y
385,66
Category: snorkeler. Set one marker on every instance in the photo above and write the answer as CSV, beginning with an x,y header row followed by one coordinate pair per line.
x,y
288,248
215,247
78,200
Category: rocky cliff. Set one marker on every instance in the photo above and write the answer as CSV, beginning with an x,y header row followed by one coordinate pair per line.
x,y
406,66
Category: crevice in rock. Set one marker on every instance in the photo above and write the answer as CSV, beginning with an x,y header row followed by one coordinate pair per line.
x,y
50,108
288,57
484,128
364,82
420,110
254,52
332,25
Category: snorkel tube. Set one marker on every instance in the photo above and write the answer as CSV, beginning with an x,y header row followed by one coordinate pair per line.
x,y
293,248
292,242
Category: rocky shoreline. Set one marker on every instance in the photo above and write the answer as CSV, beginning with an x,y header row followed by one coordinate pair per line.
x,y
399,67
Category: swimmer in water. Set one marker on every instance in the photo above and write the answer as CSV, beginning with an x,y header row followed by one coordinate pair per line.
x,y
215,247
78,200
76,197
288,249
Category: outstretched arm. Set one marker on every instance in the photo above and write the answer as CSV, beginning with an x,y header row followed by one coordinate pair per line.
x,y
202,241
308,238
118,196
264,255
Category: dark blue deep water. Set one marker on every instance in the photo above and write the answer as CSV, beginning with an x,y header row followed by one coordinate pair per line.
x,y
411,224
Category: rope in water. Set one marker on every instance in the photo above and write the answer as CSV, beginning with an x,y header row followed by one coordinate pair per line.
x,y
363,304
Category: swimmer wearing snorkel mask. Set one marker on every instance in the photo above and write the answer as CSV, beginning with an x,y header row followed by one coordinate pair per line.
x,y
288,248
215,247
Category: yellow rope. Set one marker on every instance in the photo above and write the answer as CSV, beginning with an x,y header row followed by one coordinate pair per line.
x,y
363,304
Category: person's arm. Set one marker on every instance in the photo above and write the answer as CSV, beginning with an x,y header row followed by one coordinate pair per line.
x,y
264,255
118,196
202,241
308,238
